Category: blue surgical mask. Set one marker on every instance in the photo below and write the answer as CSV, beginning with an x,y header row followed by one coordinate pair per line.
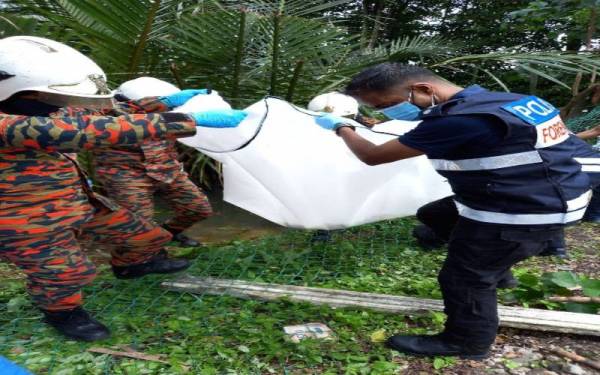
x,y
402,111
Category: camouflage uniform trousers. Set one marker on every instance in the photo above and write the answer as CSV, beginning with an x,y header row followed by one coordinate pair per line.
x,y
46,209
57,268
134,190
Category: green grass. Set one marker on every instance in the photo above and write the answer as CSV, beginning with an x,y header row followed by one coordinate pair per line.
x,y
203,334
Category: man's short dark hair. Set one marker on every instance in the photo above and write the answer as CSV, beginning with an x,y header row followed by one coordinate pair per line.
x,y
382,77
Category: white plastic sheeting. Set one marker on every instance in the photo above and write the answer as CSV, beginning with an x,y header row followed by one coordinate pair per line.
x,y
298,175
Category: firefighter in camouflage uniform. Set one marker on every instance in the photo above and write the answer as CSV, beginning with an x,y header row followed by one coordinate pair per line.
x,y
46,206
132,174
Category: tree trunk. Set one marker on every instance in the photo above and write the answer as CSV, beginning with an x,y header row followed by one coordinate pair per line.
x,y
573,42
239,54
591,30
364,33
275,53
573,108
576,84
379,5
294,82
533,83
449,7
138,49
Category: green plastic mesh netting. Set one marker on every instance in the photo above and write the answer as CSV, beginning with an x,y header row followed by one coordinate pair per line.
x,y
203,334
585,121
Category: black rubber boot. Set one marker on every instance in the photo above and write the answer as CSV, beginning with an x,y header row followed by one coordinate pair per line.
x,y
158,264
185,241
426,237
162,254
509,282
435,346
76,324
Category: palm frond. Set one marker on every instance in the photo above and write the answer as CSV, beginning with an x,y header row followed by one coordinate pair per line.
x,y
120,34
298,8
552,65
306,49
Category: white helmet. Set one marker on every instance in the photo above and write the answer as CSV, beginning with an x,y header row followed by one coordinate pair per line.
x,y
58,72
335,103
144,87
201,103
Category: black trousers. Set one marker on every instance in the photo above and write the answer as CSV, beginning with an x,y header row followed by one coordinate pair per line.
x,y
480,255
593,211
441,216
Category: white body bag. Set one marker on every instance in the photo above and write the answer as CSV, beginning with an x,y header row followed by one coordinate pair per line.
x,y
279,164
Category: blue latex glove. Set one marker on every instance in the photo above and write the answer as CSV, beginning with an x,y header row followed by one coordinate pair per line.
x,y
219,118
181,97
333,122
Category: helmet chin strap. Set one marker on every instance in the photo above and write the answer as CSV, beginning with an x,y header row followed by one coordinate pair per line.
x,y
60,100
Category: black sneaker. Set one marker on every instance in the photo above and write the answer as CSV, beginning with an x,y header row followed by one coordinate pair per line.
x,y
185,241
76,324
158,264
435,346
426,237
560,252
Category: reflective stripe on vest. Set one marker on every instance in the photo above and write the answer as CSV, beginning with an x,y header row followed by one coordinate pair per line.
x,y
492,162
589,164
514,181
576,211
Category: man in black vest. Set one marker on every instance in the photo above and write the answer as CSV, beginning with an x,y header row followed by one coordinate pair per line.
x,y
509,160
439,217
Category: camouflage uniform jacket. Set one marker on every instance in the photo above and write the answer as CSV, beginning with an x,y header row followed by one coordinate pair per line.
x,y
41,188
156,159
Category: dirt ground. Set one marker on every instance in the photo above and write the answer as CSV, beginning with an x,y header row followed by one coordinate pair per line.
x,y
583,241
519,352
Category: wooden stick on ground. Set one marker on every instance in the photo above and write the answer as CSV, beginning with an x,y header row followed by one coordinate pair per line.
x,y
515,317
578,299
576,358
129,354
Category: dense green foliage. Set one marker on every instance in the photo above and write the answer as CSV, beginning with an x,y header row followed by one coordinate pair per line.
x,y
298,48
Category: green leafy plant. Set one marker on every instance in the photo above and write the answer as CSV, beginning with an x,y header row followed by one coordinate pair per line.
x,y
443,362
534,290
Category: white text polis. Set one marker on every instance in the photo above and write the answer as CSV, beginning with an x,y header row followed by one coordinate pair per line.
x,y
544,116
